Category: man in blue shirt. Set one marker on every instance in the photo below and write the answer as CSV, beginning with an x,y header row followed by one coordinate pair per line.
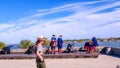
x,y
59,44
95,41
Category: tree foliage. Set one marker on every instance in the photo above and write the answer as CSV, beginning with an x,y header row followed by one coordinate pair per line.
x,y
46,42
2,44
25,44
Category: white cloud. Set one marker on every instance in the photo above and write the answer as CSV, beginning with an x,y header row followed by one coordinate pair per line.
x,y
5,26
83,23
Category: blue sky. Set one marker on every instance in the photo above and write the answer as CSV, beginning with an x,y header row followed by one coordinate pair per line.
x,y
74,19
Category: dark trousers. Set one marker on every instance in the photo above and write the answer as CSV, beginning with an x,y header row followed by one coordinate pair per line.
x,y
40,64
53,49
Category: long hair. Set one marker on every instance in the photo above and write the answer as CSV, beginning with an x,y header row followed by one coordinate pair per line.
x,y
36,44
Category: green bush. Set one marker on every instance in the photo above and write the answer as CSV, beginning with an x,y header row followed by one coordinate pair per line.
x,y
25,44
46,42
2,44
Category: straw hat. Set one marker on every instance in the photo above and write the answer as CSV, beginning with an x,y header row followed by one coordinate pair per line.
x,y
40,37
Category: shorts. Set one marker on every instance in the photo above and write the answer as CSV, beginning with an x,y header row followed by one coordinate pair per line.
x,y
59,47
92,48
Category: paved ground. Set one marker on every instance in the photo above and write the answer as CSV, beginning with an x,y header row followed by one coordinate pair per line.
x,y
102,61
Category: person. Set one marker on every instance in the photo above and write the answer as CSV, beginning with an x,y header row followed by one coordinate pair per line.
x,y
92,49
95,41
87,47
38,52
59,44
53,44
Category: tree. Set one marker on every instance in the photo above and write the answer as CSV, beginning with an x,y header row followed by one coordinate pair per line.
x,y
25,44
2,44
46,42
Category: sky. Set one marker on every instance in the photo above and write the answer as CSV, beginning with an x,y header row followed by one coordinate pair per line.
x,y
74,19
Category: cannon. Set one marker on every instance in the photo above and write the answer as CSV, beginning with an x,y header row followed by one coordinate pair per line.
x,y
6,50
30,50
48,50
69,48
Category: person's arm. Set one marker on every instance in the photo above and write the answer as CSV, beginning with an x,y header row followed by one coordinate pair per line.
x,y
62,41
39,55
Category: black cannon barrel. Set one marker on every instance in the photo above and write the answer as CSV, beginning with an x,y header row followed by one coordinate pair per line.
x,y
6,50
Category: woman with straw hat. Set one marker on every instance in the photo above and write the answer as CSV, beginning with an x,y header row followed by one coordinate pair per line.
x,y
39,59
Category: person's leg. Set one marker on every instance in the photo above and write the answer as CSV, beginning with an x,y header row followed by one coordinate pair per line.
x,y
58,50
40,64
37,63
96,49
54,50
93,50
61,50
88,49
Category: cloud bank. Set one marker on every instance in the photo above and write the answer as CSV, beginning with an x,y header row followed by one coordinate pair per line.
x,y
73,21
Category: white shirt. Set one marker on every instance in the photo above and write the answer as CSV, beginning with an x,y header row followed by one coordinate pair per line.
x,y
39,48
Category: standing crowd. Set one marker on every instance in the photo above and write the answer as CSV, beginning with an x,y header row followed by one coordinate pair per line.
x,y
56,43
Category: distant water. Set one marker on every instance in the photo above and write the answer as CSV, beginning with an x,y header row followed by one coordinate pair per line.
x,y
15,46
107,44
110,44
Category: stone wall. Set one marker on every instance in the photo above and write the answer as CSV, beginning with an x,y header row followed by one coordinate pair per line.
x,y
116,51
108,50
